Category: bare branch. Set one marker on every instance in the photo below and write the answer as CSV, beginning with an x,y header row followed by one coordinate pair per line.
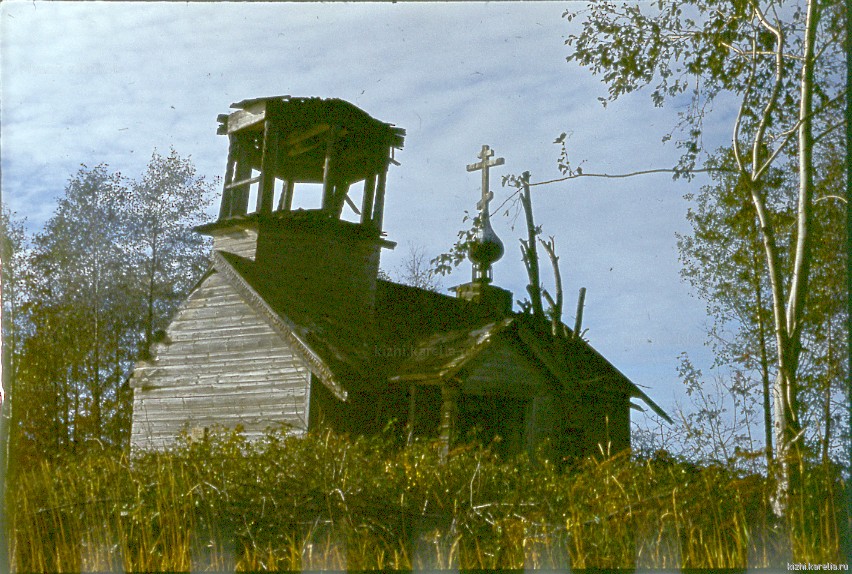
x,y
753,53
761,17
828,130
529,250
518,191
831,41
787,139
757,144
631,174
738,122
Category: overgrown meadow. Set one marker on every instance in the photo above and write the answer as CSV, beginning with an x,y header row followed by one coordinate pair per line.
x,y
333,502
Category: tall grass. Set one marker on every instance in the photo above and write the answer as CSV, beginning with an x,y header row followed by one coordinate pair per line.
x,y
330,502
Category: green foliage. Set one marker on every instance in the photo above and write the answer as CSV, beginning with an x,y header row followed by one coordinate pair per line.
x,y
722,260
824,368
13,244
109,268
445,263
690,51
518,200
166,204
721,257
781,63
70,367
326,501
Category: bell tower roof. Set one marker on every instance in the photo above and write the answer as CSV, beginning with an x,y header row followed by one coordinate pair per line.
x,y
281,148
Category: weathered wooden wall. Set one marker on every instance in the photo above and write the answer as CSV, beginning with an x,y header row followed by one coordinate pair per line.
x,y
504,370
504,392
600,420
576,422
221,364
364,413
238,239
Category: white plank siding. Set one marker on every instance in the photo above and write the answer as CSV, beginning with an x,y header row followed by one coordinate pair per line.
x,y
238,240
221,364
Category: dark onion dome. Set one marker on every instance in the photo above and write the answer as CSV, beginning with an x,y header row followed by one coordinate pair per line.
x,y
486,247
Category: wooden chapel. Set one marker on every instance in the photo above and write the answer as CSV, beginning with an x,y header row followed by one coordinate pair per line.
x,y
291,324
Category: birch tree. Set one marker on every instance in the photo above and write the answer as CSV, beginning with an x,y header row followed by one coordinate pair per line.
x,y
12,246
721,259
781,62
109,268
166,203
13,252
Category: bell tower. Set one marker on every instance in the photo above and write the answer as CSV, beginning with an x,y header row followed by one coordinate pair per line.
x,y
279,147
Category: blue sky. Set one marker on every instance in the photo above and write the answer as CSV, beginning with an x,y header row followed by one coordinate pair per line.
x,y
110,82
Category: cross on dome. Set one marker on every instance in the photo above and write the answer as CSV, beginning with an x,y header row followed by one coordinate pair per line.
x,y
486,247
483,165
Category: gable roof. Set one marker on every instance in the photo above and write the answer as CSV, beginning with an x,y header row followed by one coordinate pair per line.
x,y
415,335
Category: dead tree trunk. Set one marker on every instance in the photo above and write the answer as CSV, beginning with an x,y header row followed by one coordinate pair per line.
x,y
555,311
529,251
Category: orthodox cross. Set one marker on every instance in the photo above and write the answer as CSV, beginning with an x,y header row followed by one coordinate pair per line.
x,y
486,247
486,163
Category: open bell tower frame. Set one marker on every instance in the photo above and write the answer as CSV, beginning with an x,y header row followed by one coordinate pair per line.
x,y
278,142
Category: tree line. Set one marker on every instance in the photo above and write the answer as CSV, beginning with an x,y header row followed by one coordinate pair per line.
x,y
84,296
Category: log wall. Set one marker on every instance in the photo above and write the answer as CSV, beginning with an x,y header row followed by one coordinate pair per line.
x,y
577,423
322,259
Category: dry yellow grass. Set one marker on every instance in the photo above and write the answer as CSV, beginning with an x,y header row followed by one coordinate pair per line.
x,y
327,502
